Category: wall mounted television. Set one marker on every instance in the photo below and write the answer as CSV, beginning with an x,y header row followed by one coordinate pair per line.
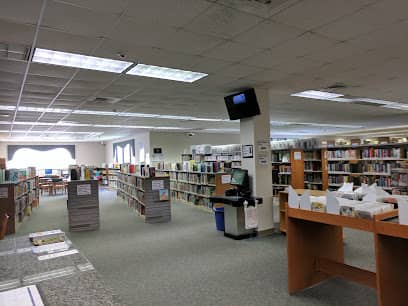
x,y
242,105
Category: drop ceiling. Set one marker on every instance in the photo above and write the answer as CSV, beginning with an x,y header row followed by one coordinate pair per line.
x,y
285,46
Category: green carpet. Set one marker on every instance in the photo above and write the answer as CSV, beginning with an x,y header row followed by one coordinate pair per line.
x,y
187,262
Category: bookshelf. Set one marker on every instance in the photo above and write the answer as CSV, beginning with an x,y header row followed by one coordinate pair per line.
x,y
315,169
281,170
195,187
17,198
385,164
149,196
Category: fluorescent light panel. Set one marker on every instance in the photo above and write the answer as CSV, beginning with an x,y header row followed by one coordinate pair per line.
x,y
74,60
317,94
158,72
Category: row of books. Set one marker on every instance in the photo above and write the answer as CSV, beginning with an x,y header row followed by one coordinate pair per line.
x,y
197,189
281,180
378,167
314,155
284,168
280,157
400,179
339,167
313,177
382,153
192,199
385,182
311,166
132,203
131,190
197,178
343,154
131,180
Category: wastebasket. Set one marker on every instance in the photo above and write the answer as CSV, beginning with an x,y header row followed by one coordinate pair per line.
x,y
219,218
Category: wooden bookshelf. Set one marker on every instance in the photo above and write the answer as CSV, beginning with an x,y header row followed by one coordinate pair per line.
x,y
17,200
315,169
281,170
145,195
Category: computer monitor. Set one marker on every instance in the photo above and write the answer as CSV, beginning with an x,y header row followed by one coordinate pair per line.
x,y
239,177
48,172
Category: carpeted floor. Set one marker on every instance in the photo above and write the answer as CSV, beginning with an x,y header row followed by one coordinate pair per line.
x,y
187,262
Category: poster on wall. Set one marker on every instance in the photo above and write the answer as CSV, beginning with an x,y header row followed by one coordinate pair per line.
x,y
247,151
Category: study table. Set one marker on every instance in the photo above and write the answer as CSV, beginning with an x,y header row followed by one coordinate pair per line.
x,y
66,280
315,252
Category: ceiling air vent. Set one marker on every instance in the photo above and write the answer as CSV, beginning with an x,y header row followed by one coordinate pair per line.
x,y
337,86
101,100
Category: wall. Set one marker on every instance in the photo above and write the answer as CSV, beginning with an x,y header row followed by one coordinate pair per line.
x,y
174,144
142,141
87,153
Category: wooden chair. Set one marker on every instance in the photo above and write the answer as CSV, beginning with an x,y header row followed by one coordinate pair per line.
x,y
3,229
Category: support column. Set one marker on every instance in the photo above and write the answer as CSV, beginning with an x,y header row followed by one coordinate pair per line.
x,y
256,131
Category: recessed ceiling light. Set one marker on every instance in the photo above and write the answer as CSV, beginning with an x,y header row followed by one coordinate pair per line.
x,y
166,73
74,60
316,94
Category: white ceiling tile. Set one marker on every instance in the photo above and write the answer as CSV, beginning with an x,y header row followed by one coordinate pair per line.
x,y
173,13
16,33
20,11
190,43
78,20
268,34
310,14
222,21
232,51
361,22
210,65
257,7
108,6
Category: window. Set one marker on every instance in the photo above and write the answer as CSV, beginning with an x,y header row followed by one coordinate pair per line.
x,y
124,152
58,158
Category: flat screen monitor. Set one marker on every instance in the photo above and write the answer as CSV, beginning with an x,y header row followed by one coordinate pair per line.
x,y
239,177
48,171
242,105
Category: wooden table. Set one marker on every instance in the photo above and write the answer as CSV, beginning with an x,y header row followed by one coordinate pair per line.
x,y
315,253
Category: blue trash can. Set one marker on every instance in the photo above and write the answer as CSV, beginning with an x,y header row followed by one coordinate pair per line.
x,y
219,218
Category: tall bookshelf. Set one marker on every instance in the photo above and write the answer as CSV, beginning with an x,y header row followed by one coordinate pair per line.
x,y
149,196
315,169
17,199
281,170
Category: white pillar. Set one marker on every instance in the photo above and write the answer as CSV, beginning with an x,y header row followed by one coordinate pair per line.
x,y
255,131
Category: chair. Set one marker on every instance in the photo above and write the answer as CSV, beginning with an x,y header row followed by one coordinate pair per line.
x,y
3,229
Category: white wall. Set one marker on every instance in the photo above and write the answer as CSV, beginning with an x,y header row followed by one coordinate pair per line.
x,y
174,144
86,153
142,141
